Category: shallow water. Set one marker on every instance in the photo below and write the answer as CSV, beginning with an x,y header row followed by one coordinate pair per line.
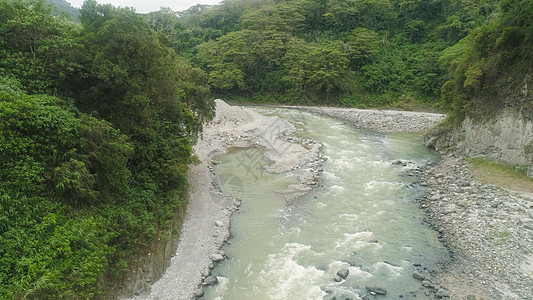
x,y
363,217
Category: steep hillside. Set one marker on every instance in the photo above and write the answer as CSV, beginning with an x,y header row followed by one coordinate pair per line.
x,y
489,87
97,124
359,53
62,6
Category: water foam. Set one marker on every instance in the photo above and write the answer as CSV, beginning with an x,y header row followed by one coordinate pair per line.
x,y
336,189
321,205
222,287
357,241
379,185
387,269
350,217
289,279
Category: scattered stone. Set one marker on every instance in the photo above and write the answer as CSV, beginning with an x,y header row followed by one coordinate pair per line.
x,y
343,273
418,275
427,284
465,213
198,293
376,290
400,162
443,293
210,280
206,272
364,297
217,257
337,278
219,223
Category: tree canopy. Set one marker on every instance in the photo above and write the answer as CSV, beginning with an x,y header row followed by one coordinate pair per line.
x,y
97,123
357,52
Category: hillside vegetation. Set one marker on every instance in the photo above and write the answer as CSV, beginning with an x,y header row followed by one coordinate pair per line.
x,y
98,115
97,123
364,53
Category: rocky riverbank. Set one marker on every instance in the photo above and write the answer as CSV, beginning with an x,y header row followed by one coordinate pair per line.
x,y
268,142
488,230
382,121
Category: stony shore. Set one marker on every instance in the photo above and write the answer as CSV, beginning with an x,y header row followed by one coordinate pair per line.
x,y
206,228
382,121
489,231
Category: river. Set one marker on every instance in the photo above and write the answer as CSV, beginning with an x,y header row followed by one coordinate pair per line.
x,y
363,217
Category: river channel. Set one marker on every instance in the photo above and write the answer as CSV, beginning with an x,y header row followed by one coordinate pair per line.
x,y
362,217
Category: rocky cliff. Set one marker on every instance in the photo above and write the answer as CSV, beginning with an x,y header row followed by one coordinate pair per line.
x,y
149,267
497,129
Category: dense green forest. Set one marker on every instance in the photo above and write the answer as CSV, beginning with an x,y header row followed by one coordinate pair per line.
x,y
363,53
99,108
97,123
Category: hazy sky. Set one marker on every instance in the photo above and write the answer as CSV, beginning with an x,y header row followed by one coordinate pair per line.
x,y
144,6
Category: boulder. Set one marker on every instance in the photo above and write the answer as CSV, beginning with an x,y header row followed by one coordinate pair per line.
x,y
198,293
217,257
376,290
210,280
418,275
443,293
427,284
343,273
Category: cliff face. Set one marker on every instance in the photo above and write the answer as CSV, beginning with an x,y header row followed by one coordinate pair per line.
x,y
145,270
501,132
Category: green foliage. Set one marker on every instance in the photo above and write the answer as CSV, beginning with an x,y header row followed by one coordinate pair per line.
x,y
476,63
47,249
62,7
89,176
500,168
319,69
502,174
37,48
244,60
392,46
364,44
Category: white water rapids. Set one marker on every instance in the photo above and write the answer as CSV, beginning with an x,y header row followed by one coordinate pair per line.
x,y
363,218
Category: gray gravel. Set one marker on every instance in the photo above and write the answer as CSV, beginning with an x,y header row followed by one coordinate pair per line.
x,y
488,231
382,121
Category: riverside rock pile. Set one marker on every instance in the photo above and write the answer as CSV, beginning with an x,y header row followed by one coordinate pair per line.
x,y
488,230
382,121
